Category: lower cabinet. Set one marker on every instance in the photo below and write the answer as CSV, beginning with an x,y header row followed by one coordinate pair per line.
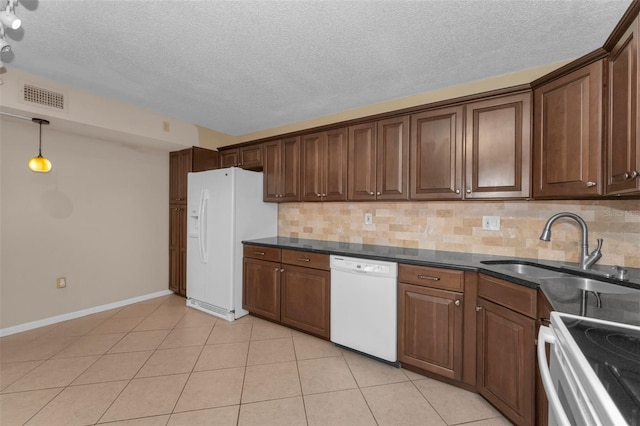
x,y
506,348
288,286
430,319
261,288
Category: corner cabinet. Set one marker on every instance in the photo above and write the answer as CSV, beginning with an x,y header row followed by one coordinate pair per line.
x,y
506,347
379,160
623,138
282,170
323,166
567,147
430,319
182,162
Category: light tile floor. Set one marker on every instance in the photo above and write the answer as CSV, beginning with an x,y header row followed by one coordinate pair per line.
x,y
160,363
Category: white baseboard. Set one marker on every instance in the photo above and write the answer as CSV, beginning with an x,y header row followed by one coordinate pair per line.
x,y
77,314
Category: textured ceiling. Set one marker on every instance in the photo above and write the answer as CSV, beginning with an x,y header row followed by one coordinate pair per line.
x,y
243,66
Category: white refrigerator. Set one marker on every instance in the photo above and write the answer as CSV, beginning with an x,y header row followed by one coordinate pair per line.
x,y
224,207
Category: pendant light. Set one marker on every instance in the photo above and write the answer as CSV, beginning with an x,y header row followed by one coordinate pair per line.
x,y
40,163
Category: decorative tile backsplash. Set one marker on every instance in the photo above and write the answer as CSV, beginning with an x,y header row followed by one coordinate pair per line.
x,y
457,226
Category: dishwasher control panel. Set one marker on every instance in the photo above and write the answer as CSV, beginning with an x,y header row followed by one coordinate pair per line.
x,y
350,264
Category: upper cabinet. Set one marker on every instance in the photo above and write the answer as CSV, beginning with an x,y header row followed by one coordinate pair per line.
x,y
248,157
323,166
623,151
567,147
379,160
282,170
181,162
436,154
498,146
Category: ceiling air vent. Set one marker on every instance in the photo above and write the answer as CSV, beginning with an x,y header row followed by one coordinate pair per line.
x,y
43,97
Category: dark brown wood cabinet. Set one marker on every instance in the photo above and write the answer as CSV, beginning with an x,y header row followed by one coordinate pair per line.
x,y
282,170
506,347
379,160
567,146
623,138
430,319
436,154
182,162
323,166
248,157
288,286
498,147
306,292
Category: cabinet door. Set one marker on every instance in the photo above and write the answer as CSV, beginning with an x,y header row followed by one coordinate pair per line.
x,y
567,146
498,145
179,166
334,166
230,158
178,249
250,157
430,329
506,361
204,159
362,162
290,170
311,166
272,171
623,151
392,151
305,299
261,288
436,154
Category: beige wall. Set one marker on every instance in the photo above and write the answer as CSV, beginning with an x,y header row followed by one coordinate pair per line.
x,y
100,218
457,226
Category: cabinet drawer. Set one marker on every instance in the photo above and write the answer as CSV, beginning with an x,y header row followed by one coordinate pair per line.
x,y
431,277
306,259
265,253
513,296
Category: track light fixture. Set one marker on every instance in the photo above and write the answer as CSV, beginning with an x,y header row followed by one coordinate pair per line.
x,y
40,163
9,20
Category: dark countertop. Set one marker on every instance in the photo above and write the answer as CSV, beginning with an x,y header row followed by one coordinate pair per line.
x,y
622,307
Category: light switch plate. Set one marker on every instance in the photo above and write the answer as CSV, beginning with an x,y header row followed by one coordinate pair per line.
x,y
491,223
368,218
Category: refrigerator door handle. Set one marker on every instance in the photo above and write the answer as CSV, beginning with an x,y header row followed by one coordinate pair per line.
x,y
202,226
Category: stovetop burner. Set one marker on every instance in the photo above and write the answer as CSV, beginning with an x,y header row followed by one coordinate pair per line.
x,y
616,343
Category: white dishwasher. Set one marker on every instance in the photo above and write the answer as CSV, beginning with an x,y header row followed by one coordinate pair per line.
x,y
364,306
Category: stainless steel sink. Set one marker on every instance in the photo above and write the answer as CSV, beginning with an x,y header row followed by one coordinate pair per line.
x,y
588,284
524,269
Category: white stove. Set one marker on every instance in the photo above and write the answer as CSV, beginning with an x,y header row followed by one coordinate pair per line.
x,y
594,372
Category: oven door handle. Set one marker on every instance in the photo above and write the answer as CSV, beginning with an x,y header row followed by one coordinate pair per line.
x,y
545,335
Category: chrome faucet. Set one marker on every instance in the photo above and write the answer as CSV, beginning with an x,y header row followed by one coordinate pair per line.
x,y
587,260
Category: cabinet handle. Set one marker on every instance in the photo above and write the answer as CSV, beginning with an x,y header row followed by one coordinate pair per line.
x,y
591,184
457,191
282,270
304,259
278,270
426,277
479,308
468,191
259,253
378,193
324,195
457,302
371,193
318,195
633,174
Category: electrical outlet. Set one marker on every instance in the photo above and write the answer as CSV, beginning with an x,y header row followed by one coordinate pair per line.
x,y
368,218
165,126
491,223
61,282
